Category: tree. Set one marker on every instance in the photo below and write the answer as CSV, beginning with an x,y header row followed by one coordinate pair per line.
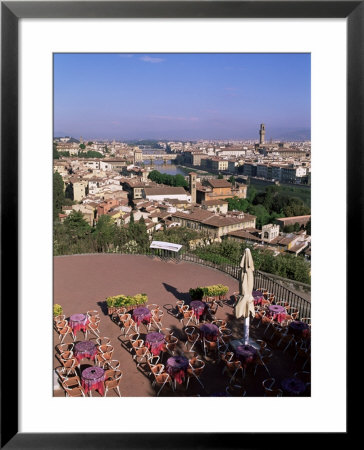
x,y
296,227
104,232
82,146
220,176
55,152
238,204
232,180
76,226
308,227
58,194
252,192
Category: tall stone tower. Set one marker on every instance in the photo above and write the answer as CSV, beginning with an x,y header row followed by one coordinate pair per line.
x,y
262,134
193,176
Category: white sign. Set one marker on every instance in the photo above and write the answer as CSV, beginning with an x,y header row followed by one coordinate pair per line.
x,y
165,246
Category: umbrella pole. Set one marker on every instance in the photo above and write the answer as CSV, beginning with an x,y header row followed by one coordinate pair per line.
x,y
246,330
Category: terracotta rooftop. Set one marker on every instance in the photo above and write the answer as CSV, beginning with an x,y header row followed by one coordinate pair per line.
x,y
165,190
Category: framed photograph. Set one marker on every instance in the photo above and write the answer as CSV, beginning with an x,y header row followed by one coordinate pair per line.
x,y
300,64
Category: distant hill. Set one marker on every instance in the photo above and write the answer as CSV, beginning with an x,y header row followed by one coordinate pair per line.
x,y
296,135
71,140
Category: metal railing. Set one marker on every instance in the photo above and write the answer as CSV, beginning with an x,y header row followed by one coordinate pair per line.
x,y
261,280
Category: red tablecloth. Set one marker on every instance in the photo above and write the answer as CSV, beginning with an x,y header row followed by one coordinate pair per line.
x,y
141,314
246,354
277,312
85,349
298,328
176,367
293,386
209,331
155,342
93,378
78,322
198,307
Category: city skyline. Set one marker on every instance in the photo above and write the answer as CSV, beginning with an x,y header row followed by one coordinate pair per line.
x,y
182,96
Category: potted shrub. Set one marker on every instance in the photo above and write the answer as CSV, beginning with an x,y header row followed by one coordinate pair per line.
x,y
126,301
196,294
57,310
222,291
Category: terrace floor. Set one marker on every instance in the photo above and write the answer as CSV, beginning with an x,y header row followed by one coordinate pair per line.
x,y
82,283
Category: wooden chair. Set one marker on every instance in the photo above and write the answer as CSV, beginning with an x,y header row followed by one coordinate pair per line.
x,y
65,331
193,336
112,364
113,383
74,392
235,390
162,379
187,315
210,346
269,391
232,367
195,370
103,340
171,344
105,348
93,328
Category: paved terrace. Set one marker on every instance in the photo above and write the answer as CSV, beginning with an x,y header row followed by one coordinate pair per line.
x,y
82,283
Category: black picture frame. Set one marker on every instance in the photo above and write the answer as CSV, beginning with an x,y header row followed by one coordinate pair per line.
x,y
11,12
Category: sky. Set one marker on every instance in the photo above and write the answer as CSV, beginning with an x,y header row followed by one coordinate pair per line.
x,y
182,96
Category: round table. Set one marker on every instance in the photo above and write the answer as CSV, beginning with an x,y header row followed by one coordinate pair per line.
x,y
176,367
293,386
78,322
155,342
209,331
246,354
142,314
85,349
298,328
277,312
198,307
93,378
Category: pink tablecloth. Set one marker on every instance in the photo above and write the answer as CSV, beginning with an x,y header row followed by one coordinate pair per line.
x,y
209,331
155,342
277,312
85,349
246,354
142,314
93,378
176,367
78,322
198,307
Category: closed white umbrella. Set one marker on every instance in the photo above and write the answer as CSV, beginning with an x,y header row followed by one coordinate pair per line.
x,y
245,304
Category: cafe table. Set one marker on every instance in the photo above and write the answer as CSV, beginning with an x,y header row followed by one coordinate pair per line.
x,y
209,331
277,312
176,367
298,328
155,342
93,378
246,354
85,349
78,322
293,386
258,297
198,308
142,314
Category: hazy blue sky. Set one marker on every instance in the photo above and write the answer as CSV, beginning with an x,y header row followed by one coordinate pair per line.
x,y
182,96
